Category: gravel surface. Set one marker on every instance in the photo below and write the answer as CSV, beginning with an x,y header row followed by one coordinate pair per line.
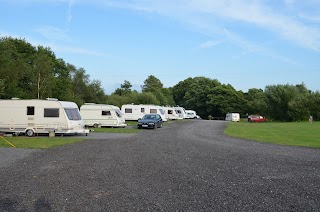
x,y
185,166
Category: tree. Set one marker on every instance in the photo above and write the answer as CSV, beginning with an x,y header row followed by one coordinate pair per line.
x,y
145,98
1,87
314,104
179,90
168,97
16,60
80,81
43,75
225,99
192,93
95,93
62,81
124,89
256,101
287,102
152,84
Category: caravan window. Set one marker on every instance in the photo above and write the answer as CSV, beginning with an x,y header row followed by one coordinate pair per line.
x,y
73,114
128,110
162,111
118,112
142,110
170,111
106,113
30,110
51,112
153,110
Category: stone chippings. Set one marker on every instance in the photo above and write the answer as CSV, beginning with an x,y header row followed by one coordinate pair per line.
x,y
184,166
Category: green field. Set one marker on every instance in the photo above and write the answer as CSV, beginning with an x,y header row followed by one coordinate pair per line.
x,y
289,133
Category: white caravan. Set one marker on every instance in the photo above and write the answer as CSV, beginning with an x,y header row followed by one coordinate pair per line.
x,y
40,116
101,115
134,112
191,114
181,112
232,117
170,113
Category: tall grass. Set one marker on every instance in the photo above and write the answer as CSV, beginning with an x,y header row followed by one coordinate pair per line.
x,y
293,133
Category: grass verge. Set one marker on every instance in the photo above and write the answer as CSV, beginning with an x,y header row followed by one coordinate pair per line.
x,y
37,142
290,133
131,128
116,130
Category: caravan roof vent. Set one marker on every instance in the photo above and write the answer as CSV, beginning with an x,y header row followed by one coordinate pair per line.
x,y
52,99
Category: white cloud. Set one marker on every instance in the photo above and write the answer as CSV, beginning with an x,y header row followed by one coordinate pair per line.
x,y
53,33
69,11
289,22
210,16
56,47
209,44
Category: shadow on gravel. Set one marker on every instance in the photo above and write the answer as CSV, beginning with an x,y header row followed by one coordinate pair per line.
x,y
40,205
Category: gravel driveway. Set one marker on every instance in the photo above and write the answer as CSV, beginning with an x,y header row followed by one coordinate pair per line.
x,y
185,166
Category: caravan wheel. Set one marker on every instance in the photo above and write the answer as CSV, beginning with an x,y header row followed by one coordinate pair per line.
x,y
29,133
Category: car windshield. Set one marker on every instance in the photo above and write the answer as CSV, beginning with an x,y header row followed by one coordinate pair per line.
x,y
149,117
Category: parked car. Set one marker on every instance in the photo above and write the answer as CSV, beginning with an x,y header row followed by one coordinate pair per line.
x,y
256,118
153,121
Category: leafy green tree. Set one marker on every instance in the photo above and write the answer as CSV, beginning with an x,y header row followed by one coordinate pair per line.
x,y
192,93
225,99
314,104
299,106
124,89
168,96
152,84
43,75
16,60
1,87
80,81
95,93
62,81
256,101
145,98
117,100
287,102
179,90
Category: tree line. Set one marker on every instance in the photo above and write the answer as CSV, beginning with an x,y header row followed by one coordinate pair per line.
x,y
30,72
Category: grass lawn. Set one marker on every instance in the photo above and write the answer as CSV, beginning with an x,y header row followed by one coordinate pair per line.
x,y
284,133
36,142
116,130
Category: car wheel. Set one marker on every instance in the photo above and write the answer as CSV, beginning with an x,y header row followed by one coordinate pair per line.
x,y
155,127
29,133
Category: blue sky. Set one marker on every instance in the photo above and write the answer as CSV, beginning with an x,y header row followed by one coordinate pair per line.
x,y
245,43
